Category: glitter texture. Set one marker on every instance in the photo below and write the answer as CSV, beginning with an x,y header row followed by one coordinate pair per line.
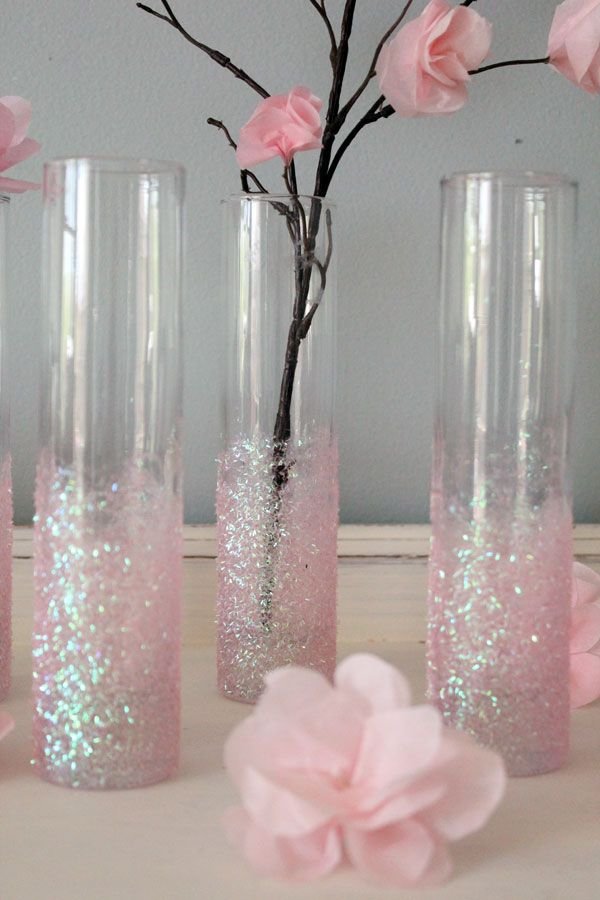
x,y
498,627
6,517
277,579
106,630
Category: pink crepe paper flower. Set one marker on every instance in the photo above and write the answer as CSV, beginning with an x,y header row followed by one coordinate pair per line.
x,y
281,125
353,773
6,724
585,636
424,69
574,43
15,116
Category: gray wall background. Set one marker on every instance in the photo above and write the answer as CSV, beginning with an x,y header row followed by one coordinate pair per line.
x,y
105,78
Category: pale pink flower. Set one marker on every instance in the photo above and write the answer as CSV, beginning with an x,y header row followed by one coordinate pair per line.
x,y
6,724
574,43
281,125
353,773
424,69
15,116
585,636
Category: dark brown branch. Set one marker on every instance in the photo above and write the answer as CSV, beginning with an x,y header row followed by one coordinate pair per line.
x,y
374,113
220,58
510,62
245,174
319,5
343,114
335,94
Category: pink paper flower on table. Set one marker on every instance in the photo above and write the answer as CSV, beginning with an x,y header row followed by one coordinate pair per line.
x,y
6,724
424,69
353,773
574,43
15,116
585,636
281,125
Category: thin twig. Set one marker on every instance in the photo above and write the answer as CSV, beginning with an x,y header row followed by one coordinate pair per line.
x,y
510,62
245,174
374,113
372,68
320,8
220,58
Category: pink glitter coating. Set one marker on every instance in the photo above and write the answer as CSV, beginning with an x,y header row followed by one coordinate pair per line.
x,y
498,630
6,525
298,559
106,643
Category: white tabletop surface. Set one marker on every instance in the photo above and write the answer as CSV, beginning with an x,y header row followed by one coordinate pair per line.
x,y
166,842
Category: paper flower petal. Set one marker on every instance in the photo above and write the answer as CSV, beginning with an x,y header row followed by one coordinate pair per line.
x,y
301,859
352,768
381,686
402,855
585,628
14,186
585,679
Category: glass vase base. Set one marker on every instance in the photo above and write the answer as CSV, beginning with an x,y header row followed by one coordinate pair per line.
x,y
498,632
277,564
106,631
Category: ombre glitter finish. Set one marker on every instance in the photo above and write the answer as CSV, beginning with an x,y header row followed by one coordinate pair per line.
x,y
6,522
498,629
276,573
106,630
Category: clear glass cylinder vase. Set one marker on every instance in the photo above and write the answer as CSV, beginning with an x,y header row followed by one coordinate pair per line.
x,y
108,528
277,492
501,555
6,508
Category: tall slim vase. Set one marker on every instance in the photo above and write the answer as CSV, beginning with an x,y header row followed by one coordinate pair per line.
x,y
277,493
501,555
6,508
108,529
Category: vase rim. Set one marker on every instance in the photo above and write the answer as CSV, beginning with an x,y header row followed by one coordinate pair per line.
x,y
267,198
125,165
514,178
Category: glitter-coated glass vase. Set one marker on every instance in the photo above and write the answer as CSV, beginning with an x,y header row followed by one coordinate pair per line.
x,y
6,511
108,529
277,491
501,554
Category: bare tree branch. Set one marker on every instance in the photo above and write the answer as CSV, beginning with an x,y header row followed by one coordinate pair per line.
x,y
245,174
220,58
372,68
319,5
510,62
375,112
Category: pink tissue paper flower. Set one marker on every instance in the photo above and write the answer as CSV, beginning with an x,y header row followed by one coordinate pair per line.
x,y
6,724
574,43
281,125
424,69
352,773
15,116
585,636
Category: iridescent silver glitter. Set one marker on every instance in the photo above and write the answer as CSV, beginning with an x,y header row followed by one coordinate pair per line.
x,y
498,628
277,563
106,630
6,518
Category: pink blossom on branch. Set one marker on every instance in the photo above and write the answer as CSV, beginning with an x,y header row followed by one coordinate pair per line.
x,y
585,636
15,116
281,125
424,69
352,773
574,43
